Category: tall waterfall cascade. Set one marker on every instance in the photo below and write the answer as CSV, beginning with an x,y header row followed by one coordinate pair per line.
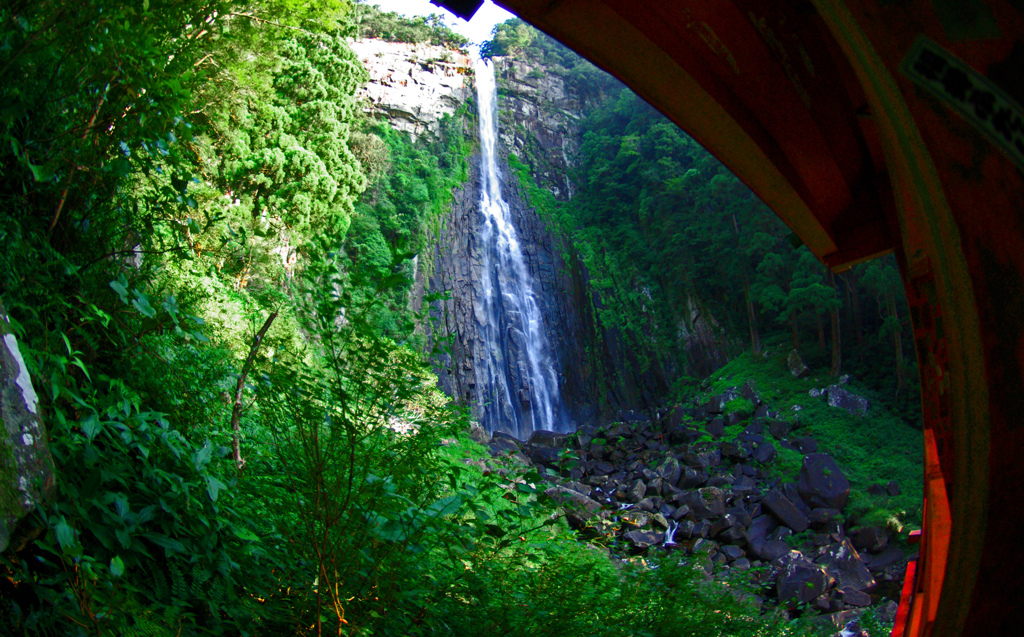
x,y
517,379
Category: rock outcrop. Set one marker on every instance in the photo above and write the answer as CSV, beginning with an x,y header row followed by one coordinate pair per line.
x,y
600,370
26,469
541,113
413,85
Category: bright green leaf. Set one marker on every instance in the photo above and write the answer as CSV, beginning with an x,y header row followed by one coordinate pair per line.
x,y
165,542
214,487
65,534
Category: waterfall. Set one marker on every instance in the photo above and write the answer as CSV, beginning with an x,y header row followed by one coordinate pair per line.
x,y
517,382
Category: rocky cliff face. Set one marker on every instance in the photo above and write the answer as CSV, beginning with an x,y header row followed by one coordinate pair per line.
x,y
541,115
457,269
600,372
413,85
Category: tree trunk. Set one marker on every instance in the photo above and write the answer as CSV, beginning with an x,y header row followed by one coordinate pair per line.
x,y
851,285
837,345
236,411
897,339
755,335
821,329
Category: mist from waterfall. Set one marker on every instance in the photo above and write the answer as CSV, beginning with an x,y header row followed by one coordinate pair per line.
x,y
519,392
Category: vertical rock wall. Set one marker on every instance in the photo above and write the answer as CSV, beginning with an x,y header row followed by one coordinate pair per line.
x,y
599,371
456,268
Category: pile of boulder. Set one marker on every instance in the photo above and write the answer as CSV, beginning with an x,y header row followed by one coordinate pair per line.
x,y
673,483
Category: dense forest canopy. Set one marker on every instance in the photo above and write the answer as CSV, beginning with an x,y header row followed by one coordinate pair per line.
x,y
205,255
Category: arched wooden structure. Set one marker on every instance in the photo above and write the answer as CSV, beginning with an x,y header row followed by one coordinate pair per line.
x,y
872,126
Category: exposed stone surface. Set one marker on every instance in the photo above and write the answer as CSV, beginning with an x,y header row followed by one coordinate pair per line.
x,y
843,563
26,468
845,399
871,538
642,540
545,438
785,510
577,501
822,483
800,580
765,453
413,85
599,371
642,493
796,364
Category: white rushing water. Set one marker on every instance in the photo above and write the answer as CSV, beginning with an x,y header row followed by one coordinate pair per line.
x,y
520,388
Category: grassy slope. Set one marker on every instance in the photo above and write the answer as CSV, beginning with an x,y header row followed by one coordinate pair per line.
x,y
874,449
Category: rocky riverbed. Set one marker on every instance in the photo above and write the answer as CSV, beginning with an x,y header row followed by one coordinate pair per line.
x,y
672,482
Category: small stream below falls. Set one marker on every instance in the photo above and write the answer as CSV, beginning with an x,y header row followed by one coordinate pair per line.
x,y
516,373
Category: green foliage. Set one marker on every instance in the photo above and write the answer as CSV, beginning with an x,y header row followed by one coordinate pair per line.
x,y
866,449
740,406
402,208
284,157
551,211
165,161
371,22
669,237
510,37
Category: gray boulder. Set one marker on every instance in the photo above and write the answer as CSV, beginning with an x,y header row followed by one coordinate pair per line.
x,y
732,553
773,550
685,530
707,502
636,491
846,399
749,391
635,519
573,500
641,540
796,364
478,433
503,444
822,516
800,580
893,488
842,562
871,538
683,435
717,403
669,470
887,558
27,477
806,444
584,436
735,534
701,529
758,530
544,455
675,417
854,597
778,428
785,510
692,478
765,453
822,483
